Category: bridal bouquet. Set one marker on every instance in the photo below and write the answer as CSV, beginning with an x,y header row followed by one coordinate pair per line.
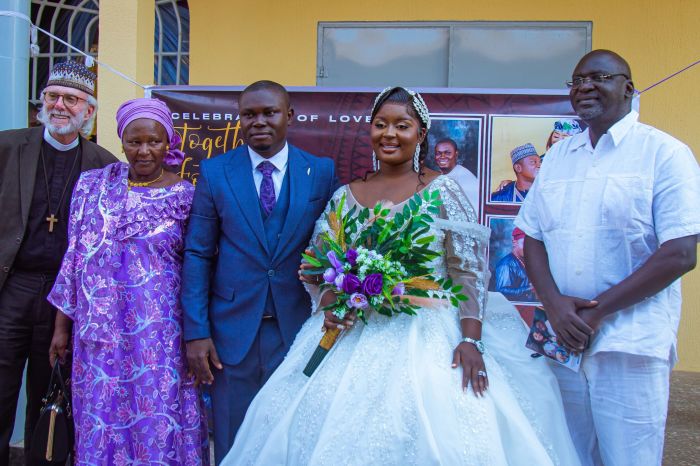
x,y
374,262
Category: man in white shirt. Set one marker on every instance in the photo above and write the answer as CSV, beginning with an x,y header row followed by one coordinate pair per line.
x,y
612,223
446,156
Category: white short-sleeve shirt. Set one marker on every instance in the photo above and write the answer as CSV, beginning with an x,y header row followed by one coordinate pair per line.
x,y
602,212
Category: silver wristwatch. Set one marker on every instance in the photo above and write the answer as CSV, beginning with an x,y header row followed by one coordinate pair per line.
x,y
477,343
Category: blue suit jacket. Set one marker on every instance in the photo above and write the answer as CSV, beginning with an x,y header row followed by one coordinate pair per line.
x,y
228,269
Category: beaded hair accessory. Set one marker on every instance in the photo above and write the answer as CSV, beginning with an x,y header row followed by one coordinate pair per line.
x,y
416,100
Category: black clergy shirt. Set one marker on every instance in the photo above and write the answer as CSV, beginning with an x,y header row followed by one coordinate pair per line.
x,y
42,251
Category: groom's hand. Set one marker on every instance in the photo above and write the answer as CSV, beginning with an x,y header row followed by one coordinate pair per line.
x,y
199,353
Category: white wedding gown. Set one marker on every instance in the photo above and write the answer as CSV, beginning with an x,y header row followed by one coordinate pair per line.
x,y
386,394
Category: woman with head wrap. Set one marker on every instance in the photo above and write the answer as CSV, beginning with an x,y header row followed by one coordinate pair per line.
x,y
118,289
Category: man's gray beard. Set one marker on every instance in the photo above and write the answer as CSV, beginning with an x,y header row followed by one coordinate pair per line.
x,y
590,113
75,122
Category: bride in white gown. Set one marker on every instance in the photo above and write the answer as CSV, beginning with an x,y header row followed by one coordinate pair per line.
x,y
391,392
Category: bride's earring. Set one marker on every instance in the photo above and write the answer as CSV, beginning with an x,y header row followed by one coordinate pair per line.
x,y
375,162
416,159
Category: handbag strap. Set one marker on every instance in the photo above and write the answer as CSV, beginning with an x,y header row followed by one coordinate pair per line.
x,y
56,374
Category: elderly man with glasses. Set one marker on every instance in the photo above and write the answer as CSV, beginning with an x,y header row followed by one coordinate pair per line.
x,y
38,169
612,222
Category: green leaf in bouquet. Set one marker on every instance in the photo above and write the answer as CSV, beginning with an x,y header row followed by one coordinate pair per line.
x,y
398,219
435,194
426,195
383,310
425,240
457,288
413,205
311,260
384,212
434,210
336,248
350,214
427,218
461,297
377,208
448,283
363,215
454,301
406,211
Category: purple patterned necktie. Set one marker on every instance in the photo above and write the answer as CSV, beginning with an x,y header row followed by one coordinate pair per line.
x,y
267,187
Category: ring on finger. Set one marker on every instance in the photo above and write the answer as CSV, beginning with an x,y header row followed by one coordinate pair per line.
x,y
481,374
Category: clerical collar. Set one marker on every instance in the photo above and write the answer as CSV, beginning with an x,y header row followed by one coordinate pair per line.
x,y
57,145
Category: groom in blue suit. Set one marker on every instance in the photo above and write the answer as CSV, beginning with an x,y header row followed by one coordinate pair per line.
x,y
252,216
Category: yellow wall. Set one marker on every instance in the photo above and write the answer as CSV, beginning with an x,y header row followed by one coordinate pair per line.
x,y
126,44
236,42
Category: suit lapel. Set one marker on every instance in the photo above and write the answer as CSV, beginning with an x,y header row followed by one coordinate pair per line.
x,y
239,173
300,178
28,164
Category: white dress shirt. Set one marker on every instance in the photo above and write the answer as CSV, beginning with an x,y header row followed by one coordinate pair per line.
x,y
279,160
602,212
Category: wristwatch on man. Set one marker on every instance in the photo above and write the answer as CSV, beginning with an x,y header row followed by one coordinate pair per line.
x,y
477,343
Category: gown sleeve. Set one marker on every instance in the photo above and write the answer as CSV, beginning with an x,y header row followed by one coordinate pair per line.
x,y
466,249
320,228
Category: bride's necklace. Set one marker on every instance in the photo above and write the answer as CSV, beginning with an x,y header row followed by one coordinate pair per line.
x,y
143,184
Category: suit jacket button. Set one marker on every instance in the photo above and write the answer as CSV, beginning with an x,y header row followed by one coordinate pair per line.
x,y
6,269
270,273
18,240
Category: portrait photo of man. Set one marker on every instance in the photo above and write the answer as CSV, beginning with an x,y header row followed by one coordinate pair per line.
x,y
526,163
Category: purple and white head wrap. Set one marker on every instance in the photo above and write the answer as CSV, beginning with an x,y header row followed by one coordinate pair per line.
x,y
156,110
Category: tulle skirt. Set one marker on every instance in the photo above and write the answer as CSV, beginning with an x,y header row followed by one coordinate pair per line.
x,y
386,394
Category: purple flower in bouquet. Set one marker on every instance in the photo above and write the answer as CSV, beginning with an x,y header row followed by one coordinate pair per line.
x,y
335,262
357,301
329,275
373,284
351,256
399,290
351,284
339,279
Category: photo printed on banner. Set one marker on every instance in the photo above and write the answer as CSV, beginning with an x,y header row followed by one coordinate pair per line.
x,y
506,262
519,144
454,146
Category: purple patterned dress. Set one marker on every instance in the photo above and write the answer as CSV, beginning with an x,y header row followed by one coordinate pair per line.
x,y
133,402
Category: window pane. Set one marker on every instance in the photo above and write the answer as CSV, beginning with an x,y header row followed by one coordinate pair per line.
x,y
531,57
383,56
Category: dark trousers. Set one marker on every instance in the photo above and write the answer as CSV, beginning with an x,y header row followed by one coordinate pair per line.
x,y
26,328
235,386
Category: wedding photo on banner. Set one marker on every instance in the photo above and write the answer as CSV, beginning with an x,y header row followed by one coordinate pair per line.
x,y
491,142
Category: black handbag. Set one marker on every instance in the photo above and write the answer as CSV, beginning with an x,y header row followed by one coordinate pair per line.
x,y
52,439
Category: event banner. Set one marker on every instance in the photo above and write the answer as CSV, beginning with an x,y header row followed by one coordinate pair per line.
x,y
482,127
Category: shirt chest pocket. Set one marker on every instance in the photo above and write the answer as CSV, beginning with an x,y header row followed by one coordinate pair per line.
x,y
626,202
553,205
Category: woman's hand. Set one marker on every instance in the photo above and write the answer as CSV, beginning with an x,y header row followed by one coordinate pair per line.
x,y
59,347
473,367
332,321
307,278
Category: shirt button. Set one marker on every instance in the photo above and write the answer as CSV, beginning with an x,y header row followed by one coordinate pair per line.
x,y
270,273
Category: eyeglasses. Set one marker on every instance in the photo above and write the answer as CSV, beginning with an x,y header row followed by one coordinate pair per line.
x,y
69,100
596,78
